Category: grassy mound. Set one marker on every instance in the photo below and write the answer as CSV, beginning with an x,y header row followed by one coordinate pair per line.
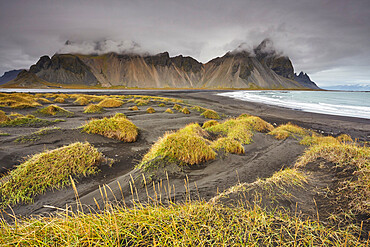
x,y
43,100
59,100
351,161
117,127
189,224
92,108
3,117
177,107
229,145
48,170
284,131
199,108
134,108
81,101
186,146
18,100
28,121
36,135
168,110
150,110
110,103
54,110
185,110
209,124
210,114
141,102
161,105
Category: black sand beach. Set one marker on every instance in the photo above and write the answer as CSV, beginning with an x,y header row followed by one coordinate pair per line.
x,y
264,156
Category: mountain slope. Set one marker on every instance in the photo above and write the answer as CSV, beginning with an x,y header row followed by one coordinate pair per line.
x,y
263,68
9,75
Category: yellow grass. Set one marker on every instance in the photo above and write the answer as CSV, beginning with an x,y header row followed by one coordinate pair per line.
x,y
92,108
209,124
48,170
210,114
229,145
186,146
109,102
168,111
81,101
54,110
150,110
59,100
118,127
134,108
185,110
284,131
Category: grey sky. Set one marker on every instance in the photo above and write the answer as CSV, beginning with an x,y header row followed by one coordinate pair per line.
x,y
328,39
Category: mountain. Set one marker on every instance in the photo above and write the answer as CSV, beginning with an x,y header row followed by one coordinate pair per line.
x,y
350,87
9,75
261,68
304,79
28,80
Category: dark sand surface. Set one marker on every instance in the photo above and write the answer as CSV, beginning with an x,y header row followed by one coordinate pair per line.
x,y
262,158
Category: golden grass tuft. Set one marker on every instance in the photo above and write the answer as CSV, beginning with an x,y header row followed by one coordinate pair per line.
x,y
43,100
54,110
210,114
110,103
161,105
229,145
134,108
92,108
185,110
256,123
3,117
141,102
150,110
344,138
282,132
234,128
168,111
119,128
186,146
209,124
81,101
199,108
48,170
28,121
59,100
18,100
177,107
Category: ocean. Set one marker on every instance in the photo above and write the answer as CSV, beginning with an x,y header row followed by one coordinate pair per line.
x,y
350,104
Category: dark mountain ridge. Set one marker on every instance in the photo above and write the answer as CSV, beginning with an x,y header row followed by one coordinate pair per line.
x,y
265,69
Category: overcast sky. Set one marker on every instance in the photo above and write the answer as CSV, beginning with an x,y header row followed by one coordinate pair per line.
x,y
328,39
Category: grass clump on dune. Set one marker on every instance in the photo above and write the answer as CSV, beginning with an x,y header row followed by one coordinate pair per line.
x,y
133,108
211,114
43,100
141,102
48,170
351,160
150,110
18,100
199,108
81,101
209,124
116,127
284,131
177,107
168,110
161,105
186,146
185,110
3,117
92,108
59,100
28,121
110,103
229,145
54,110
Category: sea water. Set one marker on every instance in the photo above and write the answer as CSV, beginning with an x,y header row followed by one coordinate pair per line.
x,y
351,104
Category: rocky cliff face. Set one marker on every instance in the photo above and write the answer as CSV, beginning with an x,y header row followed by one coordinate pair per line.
x,y
305,80
261,68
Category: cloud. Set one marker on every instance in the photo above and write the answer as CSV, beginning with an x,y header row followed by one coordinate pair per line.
x,y
318,35
101,47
